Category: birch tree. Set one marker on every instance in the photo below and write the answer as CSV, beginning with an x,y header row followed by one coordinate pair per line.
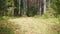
x,y
19,6
44,6
25,6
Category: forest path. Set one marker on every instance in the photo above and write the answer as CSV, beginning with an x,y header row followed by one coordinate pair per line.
x,y
30,25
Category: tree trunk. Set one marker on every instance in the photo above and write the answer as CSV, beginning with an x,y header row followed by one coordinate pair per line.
x,y
12,7
25,6
44,6
19,6
40,9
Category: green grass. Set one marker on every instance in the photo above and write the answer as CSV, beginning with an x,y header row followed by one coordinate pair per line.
x,y
5,27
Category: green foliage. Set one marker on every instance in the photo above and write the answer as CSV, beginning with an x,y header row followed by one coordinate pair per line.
x,y
5,17
54,9
10,9
31,11
55,5
51,12
5,27
2,4
5,30
1,18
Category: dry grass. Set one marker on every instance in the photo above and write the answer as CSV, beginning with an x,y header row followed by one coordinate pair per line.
x,y
30,25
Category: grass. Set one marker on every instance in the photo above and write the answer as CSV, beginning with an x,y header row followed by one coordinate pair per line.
x,y
33,25
5,27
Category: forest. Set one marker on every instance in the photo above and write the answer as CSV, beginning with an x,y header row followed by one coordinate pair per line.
x,y
29,7
29,16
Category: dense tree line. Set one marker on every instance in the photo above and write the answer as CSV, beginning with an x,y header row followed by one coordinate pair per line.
x,y
27,7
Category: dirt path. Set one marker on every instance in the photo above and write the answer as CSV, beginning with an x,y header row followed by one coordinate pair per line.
x,y
31,25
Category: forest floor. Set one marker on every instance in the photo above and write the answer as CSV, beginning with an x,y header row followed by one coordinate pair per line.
x,y
31,25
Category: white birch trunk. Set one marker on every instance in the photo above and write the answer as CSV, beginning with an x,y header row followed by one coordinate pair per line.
x,y
44,6
19,6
